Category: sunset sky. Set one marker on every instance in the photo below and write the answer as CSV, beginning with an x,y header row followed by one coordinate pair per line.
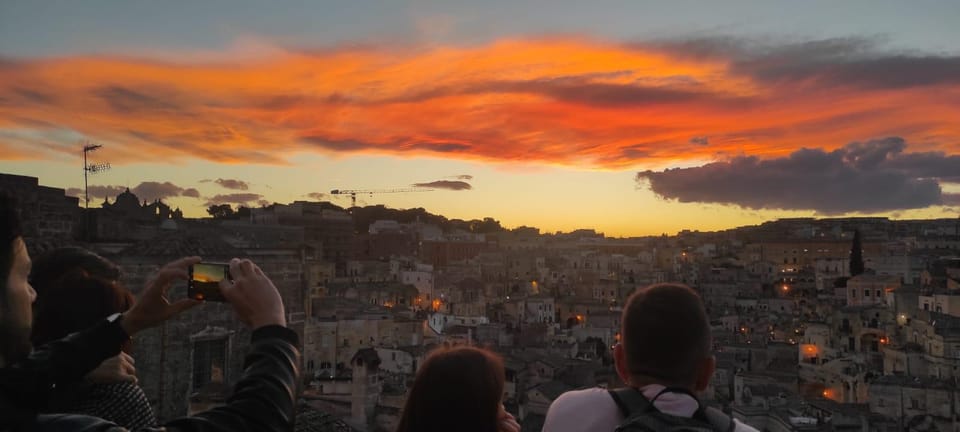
x,y
629,117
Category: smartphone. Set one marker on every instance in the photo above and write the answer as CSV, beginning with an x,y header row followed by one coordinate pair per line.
x,y
204,281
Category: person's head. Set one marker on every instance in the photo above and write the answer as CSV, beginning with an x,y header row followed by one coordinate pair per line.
x,y
16,294
76,288
665,339
458,388
54,264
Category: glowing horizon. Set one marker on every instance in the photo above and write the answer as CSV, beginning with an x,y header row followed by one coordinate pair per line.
x,y
583,129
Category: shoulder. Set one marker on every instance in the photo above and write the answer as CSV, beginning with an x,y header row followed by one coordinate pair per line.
x,y
590,409
585,397
742,427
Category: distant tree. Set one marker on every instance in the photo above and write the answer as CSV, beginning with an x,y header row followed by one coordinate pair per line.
x,y
486,226
856,255
243,212
220,211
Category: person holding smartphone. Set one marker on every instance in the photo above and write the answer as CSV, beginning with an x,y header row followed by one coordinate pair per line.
x,y
262,400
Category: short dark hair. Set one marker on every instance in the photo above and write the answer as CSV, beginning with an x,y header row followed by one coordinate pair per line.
x,y
665,334
458,388
10,230
75,288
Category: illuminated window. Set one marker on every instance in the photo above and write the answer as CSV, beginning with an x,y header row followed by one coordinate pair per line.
x,y
209,362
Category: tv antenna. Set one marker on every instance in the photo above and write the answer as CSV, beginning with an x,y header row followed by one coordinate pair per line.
x,y
89,168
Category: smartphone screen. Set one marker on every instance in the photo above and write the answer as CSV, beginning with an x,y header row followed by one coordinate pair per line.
x,y
204,283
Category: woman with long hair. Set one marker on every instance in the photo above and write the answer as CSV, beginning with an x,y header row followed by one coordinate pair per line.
x,y
458,389
76,289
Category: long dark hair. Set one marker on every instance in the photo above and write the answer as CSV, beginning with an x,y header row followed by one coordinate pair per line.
x,y
75,289
10,230
456,389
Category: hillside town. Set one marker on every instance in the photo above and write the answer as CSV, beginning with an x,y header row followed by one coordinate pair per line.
x,y
839,324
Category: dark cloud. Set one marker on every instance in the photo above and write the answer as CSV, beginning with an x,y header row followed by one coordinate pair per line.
x,y
439,147
151,191
700,140
399,145
337,145
126,101
929,164
883,72
463,177
234,198
860,62
145,191
316,195
97,192
593,89
34,96
232,184
867,176
605,94
585,90
951,199
445,184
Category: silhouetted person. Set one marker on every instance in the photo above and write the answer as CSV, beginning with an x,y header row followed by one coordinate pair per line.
x,y
262,400
664,358
75,289
458,389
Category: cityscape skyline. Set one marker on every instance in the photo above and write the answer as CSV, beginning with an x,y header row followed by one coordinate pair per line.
x,y
678,117
748,207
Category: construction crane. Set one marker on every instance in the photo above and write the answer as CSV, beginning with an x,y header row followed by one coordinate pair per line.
x,y
354,192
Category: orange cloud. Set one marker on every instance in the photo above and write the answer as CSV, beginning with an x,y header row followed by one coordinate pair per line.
x,y
556,101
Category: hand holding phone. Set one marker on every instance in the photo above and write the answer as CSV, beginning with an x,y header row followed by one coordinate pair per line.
x,y
253,296
204,281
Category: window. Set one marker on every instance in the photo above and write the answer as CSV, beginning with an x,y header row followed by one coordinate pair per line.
x,y
853,293
209,362
866,292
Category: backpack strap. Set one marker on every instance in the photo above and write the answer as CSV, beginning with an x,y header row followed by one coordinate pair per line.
x,y
630,401
680,390
720,421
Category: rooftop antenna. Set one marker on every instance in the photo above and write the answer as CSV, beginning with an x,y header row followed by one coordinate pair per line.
x,y
89,168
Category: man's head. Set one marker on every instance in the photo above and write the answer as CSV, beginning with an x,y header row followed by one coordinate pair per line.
x,y
16,294
665,339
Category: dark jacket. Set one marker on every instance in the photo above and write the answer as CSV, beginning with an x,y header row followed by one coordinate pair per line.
x,y
263,399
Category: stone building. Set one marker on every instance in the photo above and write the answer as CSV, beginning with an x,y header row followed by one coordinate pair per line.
x,y
50,218
910,399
